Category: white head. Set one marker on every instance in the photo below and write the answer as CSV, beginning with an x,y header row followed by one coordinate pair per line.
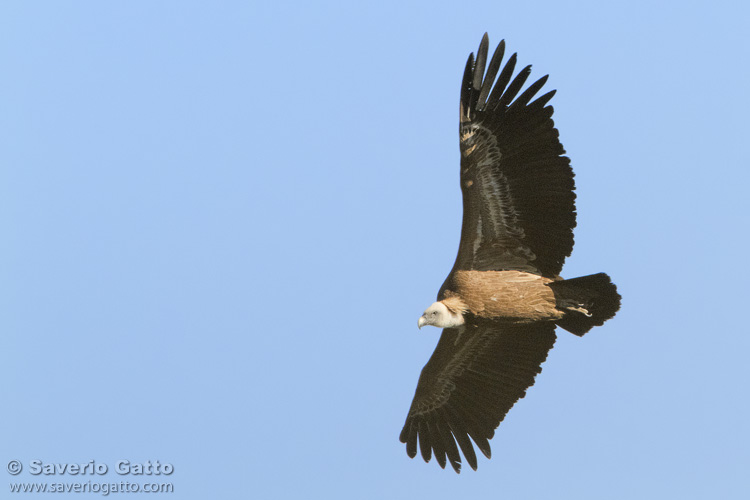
x,y
440,316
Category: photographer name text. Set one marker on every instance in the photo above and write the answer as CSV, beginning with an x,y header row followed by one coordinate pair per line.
x,y
92,467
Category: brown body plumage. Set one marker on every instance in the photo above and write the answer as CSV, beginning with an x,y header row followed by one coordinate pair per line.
x,y
500,303
505,296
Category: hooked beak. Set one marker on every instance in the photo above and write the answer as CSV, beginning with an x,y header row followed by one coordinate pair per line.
x,y
422,321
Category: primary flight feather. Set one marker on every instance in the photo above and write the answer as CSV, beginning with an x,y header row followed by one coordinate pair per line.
x,y
500,303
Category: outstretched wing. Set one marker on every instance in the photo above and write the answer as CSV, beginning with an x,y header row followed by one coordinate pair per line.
x,y
519,205
469,384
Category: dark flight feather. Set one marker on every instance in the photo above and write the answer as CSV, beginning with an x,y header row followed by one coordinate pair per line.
x,y
502,82
492,69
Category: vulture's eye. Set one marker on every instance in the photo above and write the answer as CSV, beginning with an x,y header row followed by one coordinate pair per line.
x,y
434,313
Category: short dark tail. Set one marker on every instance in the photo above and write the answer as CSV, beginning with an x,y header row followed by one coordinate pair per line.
x,y
588,301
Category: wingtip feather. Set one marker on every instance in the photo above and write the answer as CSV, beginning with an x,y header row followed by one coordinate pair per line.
x,y
480,62
424,442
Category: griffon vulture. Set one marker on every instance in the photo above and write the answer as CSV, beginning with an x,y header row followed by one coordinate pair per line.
x,y
503,298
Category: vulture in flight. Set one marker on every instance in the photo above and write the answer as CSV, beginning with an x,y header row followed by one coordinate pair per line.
x,y
500,303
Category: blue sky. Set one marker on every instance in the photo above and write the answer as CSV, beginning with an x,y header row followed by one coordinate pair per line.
x,y
222,220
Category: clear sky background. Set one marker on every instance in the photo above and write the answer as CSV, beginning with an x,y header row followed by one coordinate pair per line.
x,y
221,221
